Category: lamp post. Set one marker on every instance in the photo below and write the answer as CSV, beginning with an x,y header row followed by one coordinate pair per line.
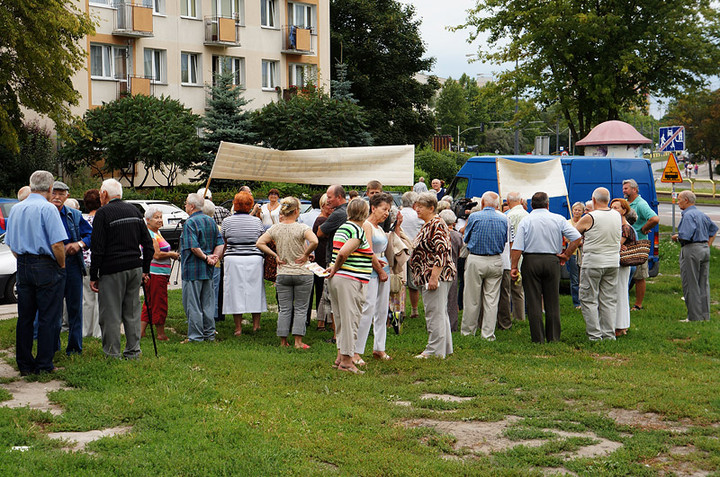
x,y
464,130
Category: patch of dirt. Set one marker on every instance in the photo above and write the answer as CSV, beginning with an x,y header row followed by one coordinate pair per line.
x,y
673,464
445,397
647,420
79,440
33,395
486,437
403,403
550,471
7,371
615,360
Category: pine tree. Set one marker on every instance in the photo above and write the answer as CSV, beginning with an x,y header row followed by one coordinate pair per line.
x,y
340,87
225,121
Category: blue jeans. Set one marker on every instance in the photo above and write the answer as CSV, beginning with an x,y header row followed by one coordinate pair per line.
x,y
199,302
574,271
216,287
73,300
40,285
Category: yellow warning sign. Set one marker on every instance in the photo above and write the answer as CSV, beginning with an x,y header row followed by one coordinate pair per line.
x,y
671,173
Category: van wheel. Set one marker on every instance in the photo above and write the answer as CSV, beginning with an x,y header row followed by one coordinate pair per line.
x,y
11,290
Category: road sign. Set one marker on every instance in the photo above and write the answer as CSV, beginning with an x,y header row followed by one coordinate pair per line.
x,y
672,138
671,173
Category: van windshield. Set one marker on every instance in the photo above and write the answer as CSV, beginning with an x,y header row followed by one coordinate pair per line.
x,y
458,187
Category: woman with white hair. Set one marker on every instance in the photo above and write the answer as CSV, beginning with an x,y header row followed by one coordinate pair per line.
x,y
160,269
456,243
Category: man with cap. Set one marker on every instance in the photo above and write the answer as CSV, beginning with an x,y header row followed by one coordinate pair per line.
x,y
35,235
78,231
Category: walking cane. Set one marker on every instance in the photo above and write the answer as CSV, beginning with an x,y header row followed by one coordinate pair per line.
x,y
149,310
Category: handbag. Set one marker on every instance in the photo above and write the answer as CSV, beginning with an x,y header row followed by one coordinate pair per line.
x,y
396,283
635,253
270,264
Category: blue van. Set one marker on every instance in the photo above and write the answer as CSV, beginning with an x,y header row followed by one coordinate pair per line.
x,y
583,174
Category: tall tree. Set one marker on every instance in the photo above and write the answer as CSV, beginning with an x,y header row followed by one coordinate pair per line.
x,y
40,50
159,132
225,121
310,120
36,152
700,114
452,108
379,41
596,59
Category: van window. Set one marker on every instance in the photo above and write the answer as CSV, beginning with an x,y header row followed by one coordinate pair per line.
x,y
458,187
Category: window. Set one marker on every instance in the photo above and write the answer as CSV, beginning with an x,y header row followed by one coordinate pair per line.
x,y
158,7
155,65
268,13
270,74
229,9
189,68
227,64
301,15
302,75
100,2
108,62
188,8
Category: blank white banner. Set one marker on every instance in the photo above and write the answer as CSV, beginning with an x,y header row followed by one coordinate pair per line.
x,y
528,178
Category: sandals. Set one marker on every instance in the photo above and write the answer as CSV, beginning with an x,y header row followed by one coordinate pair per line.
x,y
303,346
636,308
359,362
349,369
382,356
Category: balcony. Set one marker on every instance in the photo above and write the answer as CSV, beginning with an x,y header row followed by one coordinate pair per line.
x,y
299,41
134,20
134,85
222,31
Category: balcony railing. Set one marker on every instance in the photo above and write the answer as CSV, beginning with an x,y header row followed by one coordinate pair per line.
x,y
222,31
299,41
133,20
134,85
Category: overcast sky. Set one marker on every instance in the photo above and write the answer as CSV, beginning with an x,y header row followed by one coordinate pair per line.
x,y
450,49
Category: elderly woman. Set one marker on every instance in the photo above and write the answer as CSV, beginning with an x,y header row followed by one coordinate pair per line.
x,y
573,265
294,282
324,317
160,268
91,312
622,318
270,212
433,271
349,274
456,244
243,285
375,309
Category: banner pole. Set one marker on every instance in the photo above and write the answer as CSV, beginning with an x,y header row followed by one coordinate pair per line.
x,y
497,173
567,197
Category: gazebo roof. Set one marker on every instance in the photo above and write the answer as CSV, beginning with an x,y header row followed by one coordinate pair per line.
x,y
613,132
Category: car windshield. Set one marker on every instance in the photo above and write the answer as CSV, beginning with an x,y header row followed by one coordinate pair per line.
x,y
165,208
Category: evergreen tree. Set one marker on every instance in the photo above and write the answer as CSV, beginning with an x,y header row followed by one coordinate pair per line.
x,y
340,87
225,121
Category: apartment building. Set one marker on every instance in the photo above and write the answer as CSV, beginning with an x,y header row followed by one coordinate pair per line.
x,y
174,47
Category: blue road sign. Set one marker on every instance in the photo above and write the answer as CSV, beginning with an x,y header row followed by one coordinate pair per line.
x,y
672,139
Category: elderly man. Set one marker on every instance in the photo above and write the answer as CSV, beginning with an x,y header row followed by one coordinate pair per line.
x,y
218,214
511,292
23,193
336,200
696,233
200,249
437,188
539,239
35,234
602,229
78,231
646,221
485,235
420,186
117,269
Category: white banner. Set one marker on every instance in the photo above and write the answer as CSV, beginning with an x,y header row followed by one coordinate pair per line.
x,y
528,178
391,165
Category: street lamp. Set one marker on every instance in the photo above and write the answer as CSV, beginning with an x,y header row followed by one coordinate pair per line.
x,y
464,130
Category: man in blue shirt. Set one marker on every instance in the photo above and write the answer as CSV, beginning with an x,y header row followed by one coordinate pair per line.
x,y
485,236
200,249
696,233
78,231
35,234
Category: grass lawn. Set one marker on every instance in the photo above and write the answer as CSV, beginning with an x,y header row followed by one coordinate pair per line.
x,y
244,406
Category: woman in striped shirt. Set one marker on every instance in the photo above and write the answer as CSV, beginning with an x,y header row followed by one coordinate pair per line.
x,y
160,268
349,274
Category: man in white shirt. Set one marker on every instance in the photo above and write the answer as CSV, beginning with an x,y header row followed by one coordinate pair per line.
x,y
420,186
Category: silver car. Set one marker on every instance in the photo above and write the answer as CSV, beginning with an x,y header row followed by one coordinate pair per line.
x,y
8,273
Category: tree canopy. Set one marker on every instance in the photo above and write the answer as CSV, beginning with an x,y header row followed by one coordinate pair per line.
x,y
40,49
596,59
159,132
309,120
36,152
379,41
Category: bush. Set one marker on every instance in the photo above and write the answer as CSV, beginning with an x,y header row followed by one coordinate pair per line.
x,y
437,165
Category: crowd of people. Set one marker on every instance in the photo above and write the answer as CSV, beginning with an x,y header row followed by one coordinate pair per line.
x,y
354,259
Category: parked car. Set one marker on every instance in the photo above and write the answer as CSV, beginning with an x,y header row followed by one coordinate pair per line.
x,y
8,273
305,204
173,218
5,206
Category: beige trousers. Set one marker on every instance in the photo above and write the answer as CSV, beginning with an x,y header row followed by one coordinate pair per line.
x,y
347,297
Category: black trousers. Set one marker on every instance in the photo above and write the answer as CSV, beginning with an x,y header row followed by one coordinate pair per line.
x,y
541,283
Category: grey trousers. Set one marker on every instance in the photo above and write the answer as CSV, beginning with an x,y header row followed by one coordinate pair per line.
x,y
598,301
541,282
347,297
437,321
198,298
511,294
119,303
293,300
483,277
694,273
